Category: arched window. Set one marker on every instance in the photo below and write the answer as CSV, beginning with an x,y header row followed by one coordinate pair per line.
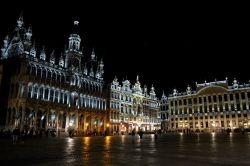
x,y
87,102
46,94
62,78
35,94
49,75
29,91
61,97
59,77
65,98
39,72
54,76
97,105
56,96
51,96
41,93
44,73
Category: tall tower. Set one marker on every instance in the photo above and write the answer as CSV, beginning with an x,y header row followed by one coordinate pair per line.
x,y
75,39
73,53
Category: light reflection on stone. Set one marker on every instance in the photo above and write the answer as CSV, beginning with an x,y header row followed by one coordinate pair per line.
x,y
106,152
195,149
86,144
231,138
123,139
69,149
213,142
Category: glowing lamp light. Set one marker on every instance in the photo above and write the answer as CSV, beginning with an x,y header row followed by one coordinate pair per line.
x,y
107,124
87,124
42,117
71,123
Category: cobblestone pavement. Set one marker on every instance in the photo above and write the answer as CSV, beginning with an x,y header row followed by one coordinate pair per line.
x,y
170,149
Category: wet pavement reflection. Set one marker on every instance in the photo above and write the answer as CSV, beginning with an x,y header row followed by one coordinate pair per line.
x,y
177,149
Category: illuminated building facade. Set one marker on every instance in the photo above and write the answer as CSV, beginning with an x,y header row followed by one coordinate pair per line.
x,y
45,92
213,106
164,112
132,108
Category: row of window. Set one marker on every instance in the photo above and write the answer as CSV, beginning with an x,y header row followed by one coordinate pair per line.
x,y
60,78
58,96
211,117
121,97
207,124
209,109
210,99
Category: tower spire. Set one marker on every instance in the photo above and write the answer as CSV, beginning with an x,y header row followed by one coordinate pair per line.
x,y
93,54
61,60
43,54
74,39
52,57
137,78
163,96
20,20
33,50
29,33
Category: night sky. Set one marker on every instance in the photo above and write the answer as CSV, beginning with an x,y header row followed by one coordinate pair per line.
x,y
170,46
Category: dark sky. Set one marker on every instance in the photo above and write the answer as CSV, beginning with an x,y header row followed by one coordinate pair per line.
x,y
168,45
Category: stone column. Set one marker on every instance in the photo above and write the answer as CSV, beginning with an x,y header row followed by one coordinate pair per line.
x,y
91,121
47,119
84,122
57,119
98,124
32,92
67,120
99,104
76,116
231,121
225,120
22,119
43,88
35,119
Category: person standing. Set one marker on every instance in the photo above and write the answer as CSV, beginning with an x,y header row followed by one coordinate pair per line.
x,y
140,134
156,135
15,135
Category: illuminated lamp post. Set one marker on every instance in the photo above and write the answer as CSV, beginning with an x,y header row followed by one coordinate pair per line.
x,y
107,130
87,125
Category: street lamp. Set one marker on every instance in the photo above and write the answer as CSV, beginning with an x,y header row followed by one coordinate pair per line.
x,y
107,130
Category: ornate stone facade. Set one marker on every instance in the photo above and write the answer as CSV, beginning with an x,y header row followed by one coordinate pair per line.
x,y
213,106
132,108
66,92
46,93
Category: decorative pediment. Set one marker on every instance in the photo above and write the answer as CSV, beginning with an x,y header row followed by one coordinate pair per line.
x,y
212,90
